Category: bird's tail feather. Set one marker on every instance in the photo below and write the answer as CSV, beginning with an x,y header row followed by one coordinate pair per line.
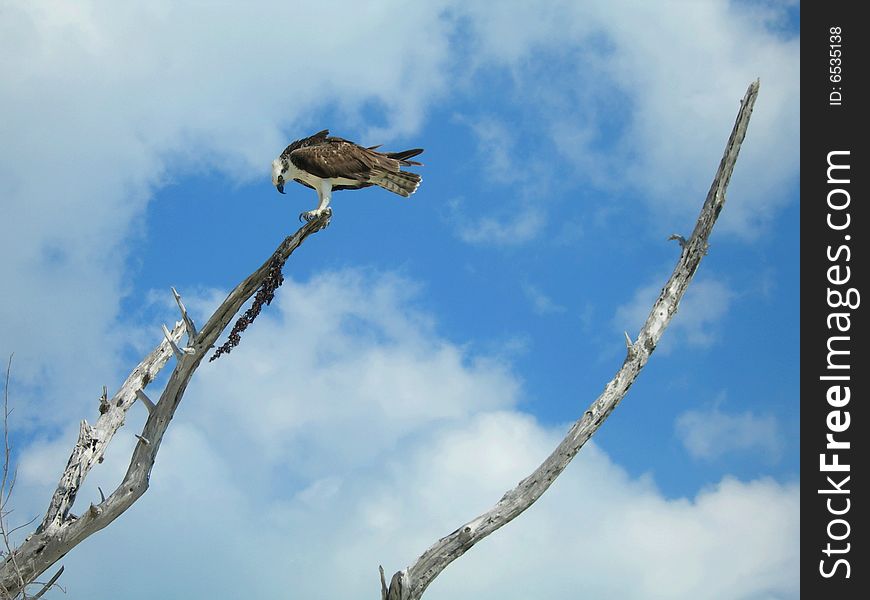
x,y
404,155
398,182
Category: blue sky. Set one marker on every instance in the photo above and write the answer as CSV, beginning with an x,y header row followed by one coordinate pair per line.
x,y
424,354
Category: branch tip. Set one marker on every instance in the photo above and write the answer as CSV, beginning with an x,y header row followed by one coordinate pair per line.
x,y
188,322
48,585
680,239
175,349
140,395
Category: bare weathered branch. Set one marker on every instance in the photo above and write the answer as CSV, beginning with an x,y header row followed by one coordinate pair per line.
x,y
172,344
48,585
6,486
60,531
92,441
188,322
144,399
383,583
410,583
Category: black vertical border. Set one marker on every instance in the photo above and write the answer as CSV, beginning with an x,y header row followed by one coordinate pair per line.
x,y
827,127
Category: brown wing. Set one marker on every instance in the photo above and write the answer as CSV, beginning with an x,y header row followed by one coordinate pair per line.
x,y
335,157
331,157
317,138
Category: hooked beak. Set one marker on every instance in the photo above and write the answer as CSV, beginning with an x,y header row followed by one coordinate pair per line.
x,y
280,188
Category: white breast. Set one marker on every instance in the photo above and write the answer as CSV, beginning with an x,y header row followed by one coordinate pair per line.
x,y
295,173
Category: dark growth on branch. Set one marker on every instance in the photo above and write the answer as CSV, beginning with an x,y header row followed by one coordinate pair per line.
x,y
265,294
60,530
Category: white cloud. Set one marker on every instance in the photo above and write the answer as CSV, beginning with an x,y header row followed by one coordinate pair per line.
x,y
330,536
367,437
644,95
503,228
696,322
518,173
344,351
496,150
107,103
542,304
639,98
711,433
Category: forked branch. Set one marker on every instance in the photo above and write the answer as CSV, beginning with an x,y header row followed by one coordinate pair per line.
x,y
60,530
410,583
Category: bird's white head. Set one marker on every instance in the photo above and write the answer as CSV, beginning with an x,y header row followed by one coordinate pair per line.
x,y
279,173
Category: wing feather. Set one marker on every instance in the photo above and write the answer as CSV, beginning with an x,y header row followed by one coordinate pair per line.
x,y
317,138
334,157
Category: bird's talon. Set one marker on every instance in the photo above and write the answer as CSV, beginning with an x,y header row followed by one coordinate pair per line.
x,y
312,215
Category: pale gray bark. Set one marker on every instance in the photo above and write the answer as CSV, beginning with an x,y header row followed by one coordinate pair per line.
x,y
60,530
410,583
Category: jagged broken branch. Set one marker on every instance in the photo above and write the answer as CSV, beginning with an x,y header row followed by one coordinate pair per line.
x,y
60,530
410,583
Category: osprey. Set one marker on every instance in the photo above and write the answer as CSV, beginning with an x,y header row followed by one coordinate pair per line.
x,y
330,163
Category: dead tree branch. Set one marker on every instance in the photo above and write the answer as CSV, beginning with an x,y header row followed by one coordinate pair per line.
x,y
7,484
60,530
410,583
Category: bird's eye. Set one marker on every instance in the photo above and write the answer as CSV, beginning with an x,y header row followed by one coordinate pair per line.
x,y
284,170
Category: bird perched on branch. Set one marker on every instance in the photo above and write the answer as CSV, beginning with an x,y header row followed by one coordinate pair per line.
x,y
327,163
